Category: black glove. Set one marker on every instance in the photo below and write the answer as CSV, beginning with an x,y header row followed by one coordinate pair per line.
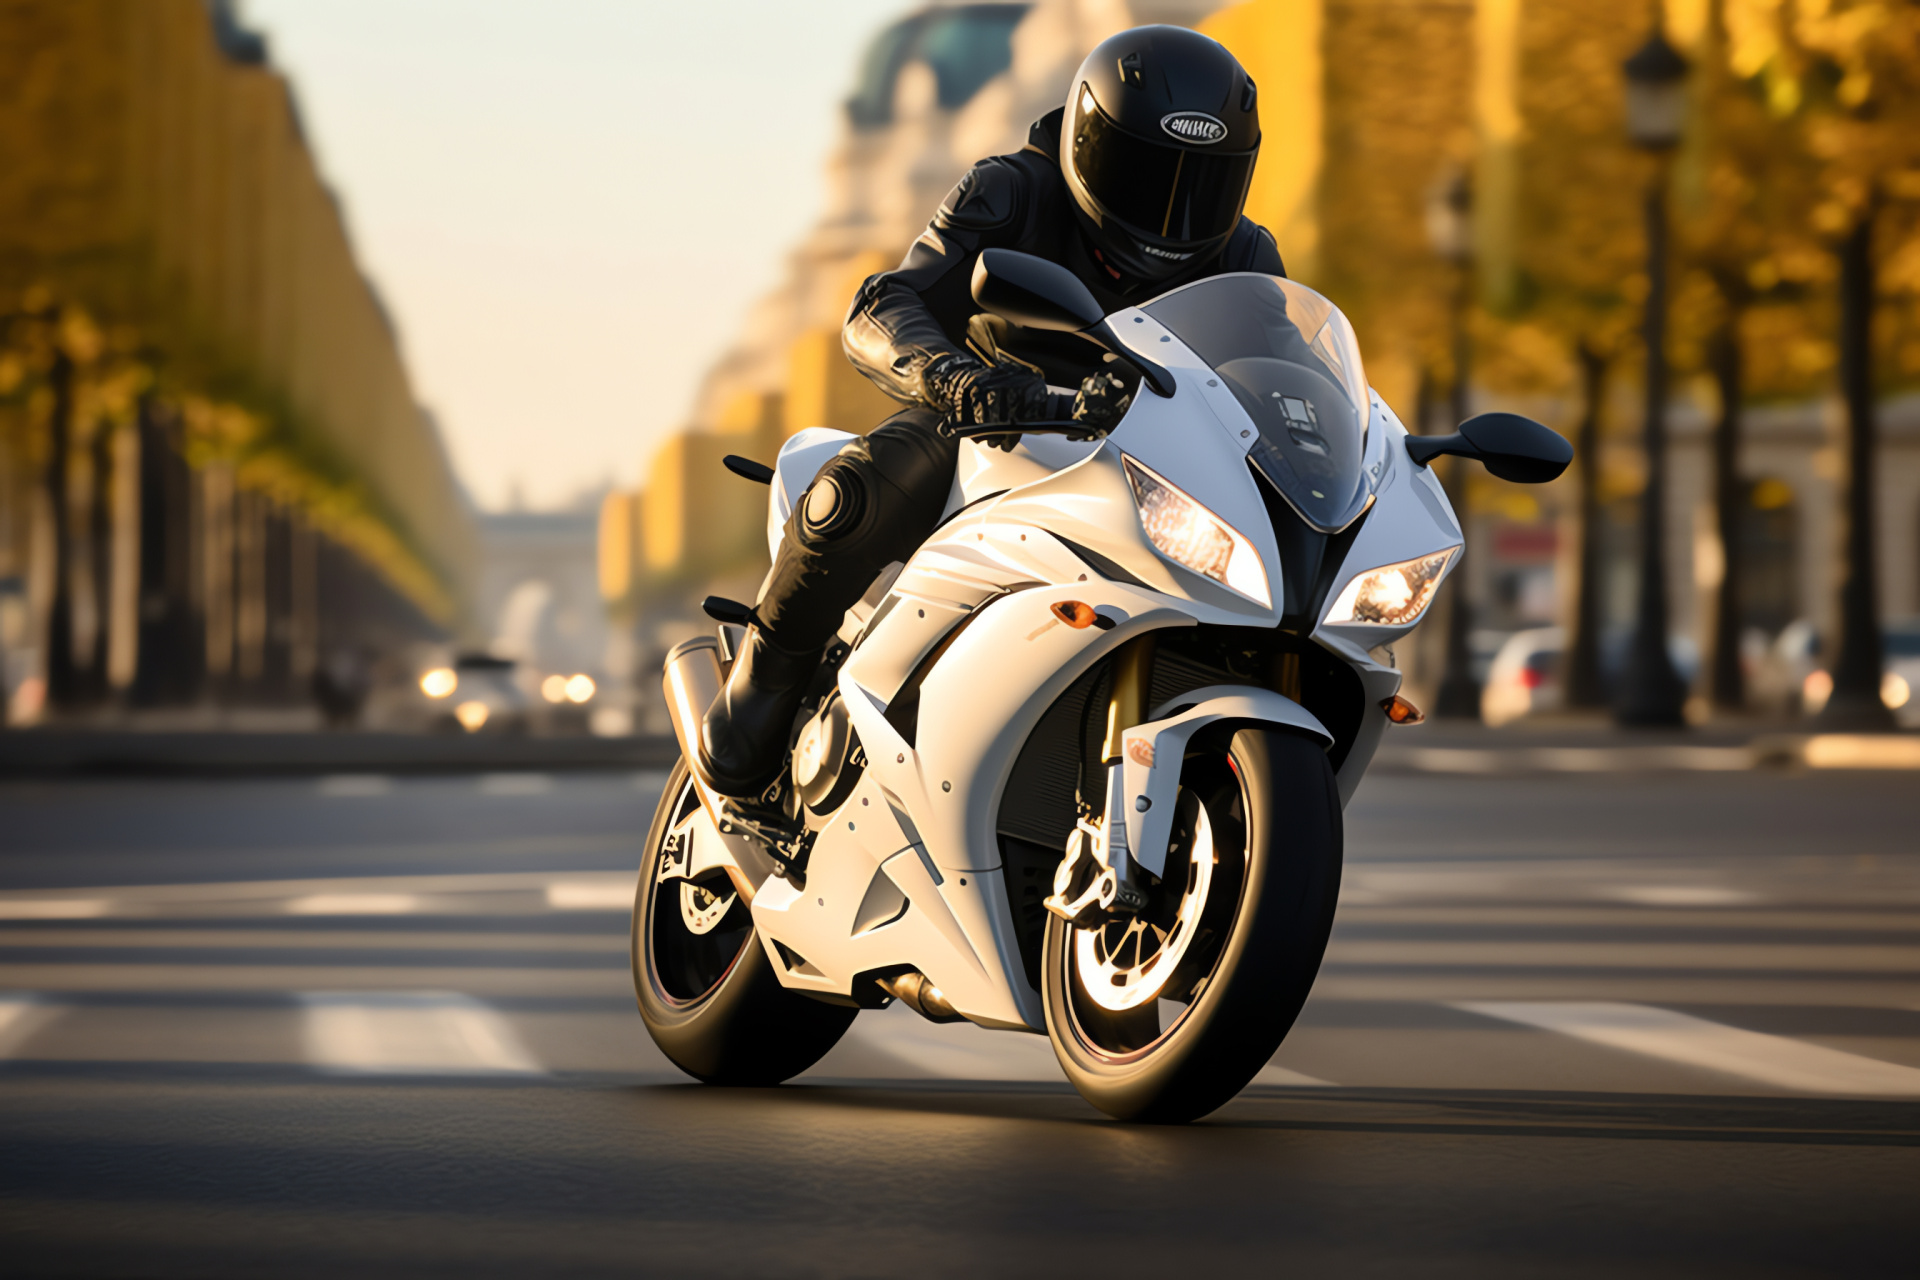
x,y
1103,400
971,393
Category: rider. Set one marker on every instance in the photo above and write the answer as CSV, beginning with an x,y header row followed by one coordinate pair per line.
x,y
1135,186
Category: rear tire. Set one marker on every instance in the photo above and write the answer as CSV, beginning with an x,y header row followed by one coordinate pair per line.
x,y
709,997
1241,933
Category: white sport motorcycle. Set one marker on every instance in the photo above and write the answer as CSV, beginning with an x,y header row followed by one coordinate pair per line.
x,y
1077,767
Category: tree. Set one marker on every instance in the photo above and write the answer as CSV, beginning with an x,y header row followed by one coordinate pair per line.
x,y
1853,68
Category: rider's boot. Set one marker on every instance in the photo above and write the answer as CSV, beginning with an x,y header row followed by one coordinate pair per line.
x,y
744,740
872,503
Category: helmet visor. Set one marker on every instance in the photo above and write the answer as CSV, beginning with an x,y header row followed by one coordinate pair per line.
x,y
1171,192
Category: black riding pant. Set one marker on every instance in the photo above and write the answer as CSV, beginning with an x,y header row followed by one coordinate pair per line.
x,y
873,503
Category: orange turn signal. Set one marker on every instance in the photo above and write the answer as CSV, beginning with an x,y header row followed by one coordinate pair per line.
x,y
1075,613
1400,711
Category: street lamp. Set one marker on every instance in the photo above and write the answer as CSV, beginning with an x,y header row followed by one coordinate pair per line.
x,y
1650,690
1450,231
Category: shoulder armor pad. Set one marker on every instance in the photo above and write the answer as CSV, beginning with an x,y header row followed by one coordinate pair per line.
x,y
987,197
1252,248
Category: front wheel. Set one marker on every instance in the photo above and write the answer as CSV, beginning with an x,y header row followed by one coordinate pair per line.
x,y
707,992
1166,1015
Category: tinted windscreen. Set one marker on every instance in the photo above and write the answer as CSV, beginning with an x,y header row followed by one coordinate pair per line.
x,y
1168,191
1291,361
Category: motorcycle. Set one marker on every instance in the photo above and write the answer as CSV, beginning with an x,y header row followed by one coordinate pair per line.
x,y
1077,766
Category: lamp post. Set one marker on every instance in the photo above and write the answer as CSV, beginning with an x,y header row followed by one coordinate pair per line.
x,y
1449,229
1650,690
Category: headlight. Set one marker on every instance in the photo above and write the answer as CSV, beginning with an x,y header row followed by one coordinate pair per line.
x,y
1183,530
439,682
1392,595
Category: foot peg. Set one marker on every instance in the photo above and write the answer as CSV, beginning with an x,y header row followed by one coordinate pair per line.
x,y
783,840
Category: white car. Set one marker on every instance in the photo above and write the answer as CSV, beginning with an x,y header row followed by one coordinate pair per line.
x,y
1527,677
1793,679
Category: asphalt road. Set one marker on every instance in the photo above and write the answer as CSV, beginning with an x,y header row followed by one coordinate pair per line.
x,y
1658,1023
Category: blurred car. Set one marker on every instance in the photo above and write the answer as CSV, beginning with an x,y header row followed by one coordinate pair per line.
x,y
478,693
1527,676
1791,677
1900,686
1524,679
1777,681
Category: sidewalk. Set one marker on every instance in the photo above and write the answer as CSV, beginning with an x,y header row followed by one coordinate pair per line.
x,y
67,751
1598,747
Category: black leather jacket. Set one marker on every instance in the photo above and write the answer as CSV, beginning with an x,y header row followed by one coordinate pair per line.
x,y
904,319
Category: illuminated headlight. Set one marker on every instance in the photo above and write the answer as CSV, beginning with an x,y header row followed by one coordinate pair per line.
x,y
1392,595
1183,530
439,682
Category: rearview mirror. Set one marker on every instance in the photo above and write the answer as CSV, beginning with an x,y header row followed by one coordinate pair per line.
x,y
1509,446
1033,292
1037,294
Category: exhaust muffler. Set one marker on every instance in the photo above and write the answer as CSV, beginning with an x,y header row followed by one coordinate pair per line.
x,y
692,681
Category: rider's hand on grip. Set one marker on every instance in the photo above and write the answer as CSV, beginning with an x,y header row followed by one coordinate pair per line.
x,y
971,393
1103,400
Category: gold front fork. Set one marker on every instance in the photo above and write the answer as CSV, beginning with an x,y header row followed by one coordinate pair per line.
x,y
1096,881
1132,679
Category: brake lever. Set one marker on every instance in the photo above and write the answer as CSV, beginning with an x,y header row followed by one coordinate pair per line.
x,y
1054,427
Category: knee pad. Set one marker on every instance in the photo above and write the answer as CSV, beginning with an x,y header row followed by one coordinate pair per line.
x,y
835,505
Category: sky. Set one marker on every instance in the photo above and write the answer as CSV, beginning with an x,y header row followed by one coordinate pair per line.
x,y
569,207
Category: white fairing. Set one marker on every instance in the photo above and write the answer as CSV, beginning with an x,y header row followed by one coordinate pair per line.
x,y
907,872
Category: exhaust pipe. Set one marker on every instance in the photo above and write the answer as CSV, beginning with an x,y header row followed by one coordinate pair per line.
x,y
691,682
913,990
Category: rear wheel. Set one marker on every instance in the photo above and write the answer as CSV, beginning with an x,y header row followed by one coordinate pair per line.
x,y
1165,1016
707,993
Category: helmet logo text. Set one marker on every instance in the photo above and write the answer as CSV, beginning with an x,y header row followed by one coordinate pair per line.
x,y
1193,126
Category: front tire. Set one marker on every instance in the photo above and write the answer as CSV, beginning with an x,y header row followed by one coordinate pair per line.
x,y
1166,1017
707,992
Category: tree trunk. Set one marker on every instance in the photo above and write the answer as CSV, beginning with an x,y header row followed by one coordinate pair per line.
x,y
1855,703
63,675
1650,692
1584,688
1459,695
1727,685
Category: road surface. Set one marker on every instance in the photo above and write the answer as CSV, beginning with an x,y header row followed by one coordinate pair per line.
x,y
1583,1024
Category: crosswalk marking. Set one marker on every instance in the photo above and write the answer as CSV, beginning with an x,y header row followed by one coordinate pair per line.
x,y
410,1033
353,904
1677,1037
1682,895
592,895
53,908
955,1051
515,784
1271,1074
21,1014
356,784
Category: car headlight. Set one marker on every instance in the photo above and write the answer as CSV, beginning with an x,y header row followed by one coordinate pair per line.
x,y
1392,595
1183,530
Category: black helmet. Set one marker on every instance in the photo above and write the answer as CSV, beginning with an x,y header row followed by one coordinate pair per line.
x,y
1157,146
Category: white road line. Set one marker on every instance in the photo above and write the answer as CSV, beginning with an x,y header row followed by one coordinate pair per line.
x,y
21,1015
592,895
53,908
515,784
1681,895
1270,1074
1678,1037
410,1033
957,1051
353,904
356,784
